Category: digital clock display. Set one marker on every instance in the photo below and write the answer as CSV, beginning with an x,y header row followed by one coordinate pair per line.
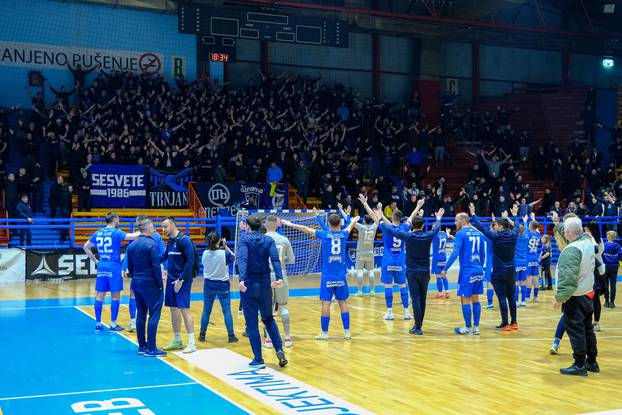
x,y
219,57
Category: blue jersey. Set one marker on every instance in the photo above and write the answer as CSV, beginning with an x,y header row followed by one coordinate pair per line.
x,y
612,254
533,247
333,252
108,243
520,252
394,250
438,248
469,247
156,237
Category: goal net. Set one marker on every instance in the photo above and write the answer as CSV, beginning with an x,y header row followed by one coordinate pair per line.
x,y
307,249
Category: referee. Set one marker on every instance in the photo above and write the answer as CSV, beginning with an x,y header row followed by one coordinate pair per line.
x,y
254,253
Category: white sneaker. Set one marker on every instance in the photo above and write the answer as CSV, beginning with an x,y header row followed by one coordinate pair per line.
x,y
347,335
476,330
388,315
322,336
596,327
407,315
191,348
463,330
132,327
522,304
372,293
267,344
288,342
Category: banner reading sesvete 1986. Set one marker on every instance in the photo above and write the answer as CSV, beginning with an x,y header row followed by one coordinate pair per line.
x,y
118,185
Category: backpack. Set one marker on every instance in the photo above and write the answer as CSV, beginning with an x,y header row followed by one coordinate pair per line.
x,y
197,260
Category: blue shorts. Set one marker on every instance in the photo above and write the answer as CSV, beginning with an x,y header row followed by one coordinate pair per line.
x,y
470,283
334,285
180,299
393,274
487,272
108,278
437,267
521,272
533,270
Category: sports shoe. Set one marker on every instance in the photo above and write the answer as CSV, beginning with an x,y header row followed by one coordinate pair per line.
x,y
322,336
507,328
282,360
476,330
201,337
372,293
592,367
447,295
347,335
117,328
439,295
142,350
489,306
612,304
99,328
535,299
155,353
596,327
407,315
463,330
606,304
232,339
288,341
501,326
554,349
132,327
514,326
267,343
415,330
174,345
388,316
191,348
523,304
240,312
574,370
257,365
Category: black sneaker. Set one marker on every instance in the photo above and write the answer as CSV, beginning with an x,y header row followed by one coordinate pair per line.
x,y
282,360
233,339
201,337
592,367
574,370
607,304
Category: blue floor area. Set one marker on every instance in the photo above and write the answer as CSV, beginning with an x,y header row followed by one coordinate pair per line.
x,y
53,363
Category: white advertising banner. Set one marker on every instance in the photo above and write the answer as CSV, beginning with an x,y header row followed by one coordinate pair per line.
x,y
35,55
12,265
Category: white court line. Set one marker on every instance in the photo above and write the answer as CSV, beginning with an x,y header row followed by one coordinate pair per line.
x,y
485,336
41,307
178,369
13,398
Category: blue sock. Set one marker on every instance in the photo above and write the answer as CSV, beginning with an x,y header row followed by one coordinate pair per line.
x,y
345,318
388,297
439,284
466,313
516,293
114,311
523,292
99,305
528,290
489,295
477,313
132,308
535,292
446,284
325,321
404,294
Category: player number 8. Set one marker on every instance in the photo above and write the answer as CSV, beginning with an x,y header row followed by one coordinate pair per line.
x,y
335,246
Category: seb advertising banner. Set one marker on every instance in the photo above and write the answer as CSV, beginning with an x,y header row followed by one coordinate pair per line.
x,y
169,190
12,265
229,197
118,185
66,264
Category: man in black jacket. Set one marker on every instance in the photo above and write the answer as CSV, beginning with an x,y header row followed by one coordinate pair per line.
x,y
55,196
25,212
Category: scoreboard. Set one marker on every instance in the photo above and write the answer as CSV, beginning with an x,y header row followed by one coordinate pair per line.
x,y
262,25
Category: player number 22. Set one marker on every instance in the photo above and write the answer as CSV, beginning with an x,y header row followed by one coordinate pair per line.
x,y
335,246
103,244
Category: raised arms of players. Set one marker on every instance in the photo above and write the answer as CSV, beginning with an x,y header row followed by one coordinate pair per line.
x,y
368,209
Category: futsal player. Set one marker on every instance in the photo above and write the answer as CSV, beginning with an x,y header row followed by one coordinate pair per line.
x,y
333,281
469,248
280,294
439,258
132,304
533,257
108,243
520,260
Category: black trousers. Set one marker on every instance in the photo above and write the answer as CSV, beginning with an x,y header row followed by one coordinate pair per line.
x,y
503,283
611,274
546,268
418,287
578,321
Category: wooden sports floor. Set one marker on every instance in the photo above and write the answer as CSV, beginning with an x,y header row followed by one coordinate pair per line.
x,y
388,371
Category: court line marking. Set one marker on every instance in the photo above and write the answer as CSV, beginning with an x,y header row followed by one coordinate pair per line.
x,y
13,398
176,368
500,337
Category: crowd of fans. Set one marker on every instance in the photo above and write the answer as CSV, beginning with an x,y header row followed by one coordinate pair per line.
x,y
320,138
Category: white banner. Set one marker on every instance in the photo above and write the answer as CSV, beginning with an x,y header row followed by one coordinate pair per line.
x,y
34,55
12,265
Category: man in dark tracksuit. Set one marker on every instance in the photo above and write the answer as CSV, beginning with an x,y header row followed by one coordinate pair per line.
x,y
417,263
24,211
143,263
503,278
255,251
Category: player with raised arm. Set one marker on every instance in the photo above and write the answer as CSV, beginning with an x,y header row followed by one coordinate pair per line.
x,y
280,294
520,259
469,247
333,281
364,264
533,259
108,243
